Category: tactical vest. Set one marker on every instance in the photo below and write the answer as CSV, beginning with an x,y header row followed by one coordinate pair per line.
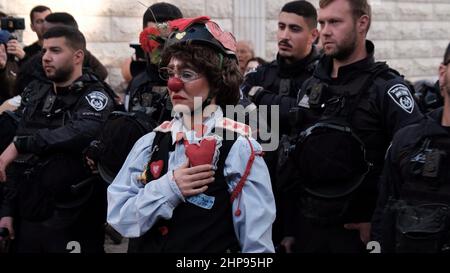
x,y
44,109
269,79
330,158
192,228
149,96
420,217
42,193
111,149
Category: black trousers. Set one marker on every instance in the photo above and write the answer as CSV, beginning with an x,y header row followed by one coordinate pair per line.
x,y
315,238
76,222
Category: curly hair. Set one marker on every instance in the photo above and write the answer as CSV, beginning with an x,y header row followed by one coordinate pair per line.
x,y
221,71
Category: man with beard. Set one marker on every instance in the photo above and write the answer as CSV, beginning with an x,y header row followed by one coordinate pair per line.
x,y
416,179
32,69
278,82
49,192
350,109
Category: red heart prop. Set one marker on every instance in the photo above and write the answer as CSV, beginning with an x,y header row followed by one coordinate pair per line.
x,y
202,153
156,168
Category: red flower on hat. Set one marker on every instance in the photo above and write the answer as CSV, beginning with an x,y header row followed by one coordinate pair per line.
x,y
148,38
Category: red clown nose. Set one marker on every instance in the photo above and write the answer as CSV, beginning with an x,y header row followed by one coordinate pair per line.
x,y
175,84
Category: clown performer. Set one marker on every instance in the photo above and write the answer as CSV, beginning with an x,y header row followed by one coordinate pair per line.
x,y
196,183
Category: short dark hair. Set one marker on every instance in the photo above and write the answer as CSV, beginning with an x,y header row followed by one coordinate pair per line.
x,y
304,9
62,18
447,55
161,12
222,72
2,14
75,39
39,8
359,8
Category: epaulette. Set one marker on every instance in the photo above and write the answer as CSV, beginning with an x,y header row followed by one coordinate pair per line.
x,y
234,126
165,127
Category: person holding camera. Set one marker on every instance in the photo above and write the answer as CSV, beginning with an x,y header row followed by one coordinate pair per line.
x,y
49,192
21,53
348,110
8,70
412,212
32,68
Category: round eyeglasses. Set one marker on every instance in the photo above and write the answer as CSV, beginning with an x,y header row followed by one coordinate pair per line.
x,y
185,75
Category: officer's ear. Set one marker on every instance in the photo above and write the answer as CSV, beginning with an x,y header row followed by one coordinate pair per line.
x,y
314,35
362,24
442,77
78,56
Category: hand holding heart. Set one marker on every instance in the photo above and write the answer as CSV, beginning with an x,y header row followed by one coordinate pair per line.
x,y
193,180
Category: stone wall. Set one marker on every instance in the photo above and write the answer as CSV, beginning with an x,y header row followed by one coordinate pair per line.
x,y
411,35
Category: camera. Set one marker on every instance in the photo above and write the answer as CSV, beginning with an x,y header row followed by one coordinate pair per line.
x,y
12,24
139,52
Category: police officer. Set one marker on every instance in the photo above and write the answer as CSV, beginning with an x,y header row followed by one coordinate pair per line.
x,y
146,100
278,82
350,108
8,69
146,92
49,193
415,191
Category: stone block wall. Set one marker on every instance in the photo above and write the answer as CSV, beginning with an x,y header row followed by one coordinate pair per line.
x,y
411,35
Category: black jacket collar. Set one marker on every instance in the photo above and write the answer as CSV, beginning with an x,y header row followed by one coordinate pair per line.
x,y
346,72
292,70
433,124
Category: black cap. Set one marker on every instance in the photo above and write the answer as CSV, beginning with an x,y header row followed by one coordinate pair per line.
x,y
161,12
200,33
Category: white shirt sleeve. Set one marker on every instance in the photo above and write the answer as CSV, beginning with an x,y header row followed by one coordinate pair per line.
x,y
253,226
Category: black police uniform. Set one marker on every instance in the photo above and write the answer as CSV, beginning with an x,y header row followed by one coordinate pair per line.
x,y
372,102
148,105
50,192
31,50
412,213
148,94
278,83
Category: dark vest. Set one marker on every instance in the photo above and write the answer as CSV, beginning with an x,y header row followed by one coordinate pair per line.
x,y
419,220
45,109
148,94
331,156
192,229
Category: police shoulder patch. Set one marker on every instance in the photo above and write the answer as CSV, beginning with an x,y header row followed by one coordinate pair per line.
x,y
400,94
97,100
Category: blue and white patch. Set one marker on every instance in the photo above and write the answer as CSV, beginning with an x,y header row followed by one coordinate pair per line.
x,y
97,100
402,97
202,200
304,102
